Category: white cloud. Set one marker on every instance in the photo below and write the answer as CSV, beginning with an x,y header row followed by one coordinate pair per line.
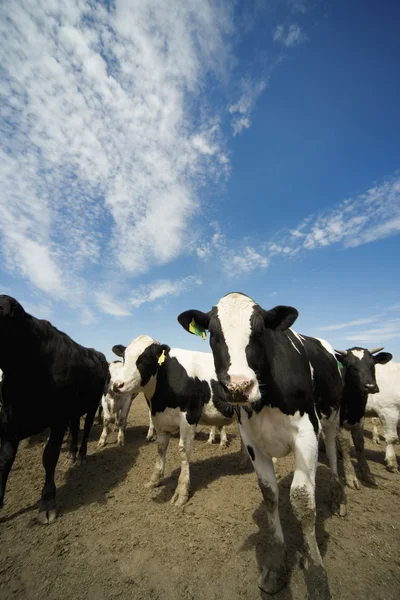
x,y
108,304
290,35
241,110
236,264
389,331
337,326
163,288
101,152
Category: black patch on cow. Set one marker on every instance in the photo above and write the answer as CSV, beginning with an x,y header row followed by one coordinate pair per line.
x,y
176,389
251,452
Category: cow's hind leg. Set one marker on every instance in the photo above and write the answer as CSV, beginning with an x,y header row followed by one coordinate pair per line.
x,y
47,507
302,497
274,574
8,452
159,468
151,436
389,421
357,433
375,430
212,434
181,495
224,437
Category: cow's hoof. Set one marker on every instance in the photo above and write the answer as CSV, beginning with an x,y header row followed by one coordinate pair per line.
x,y
101,443
151,485
151,438
46,517
179,498
392,468
353,483
369,479
271,581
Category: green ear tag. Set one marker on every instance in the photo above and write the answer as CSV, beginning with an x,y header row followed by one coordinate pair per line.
x,y
340,364
197,330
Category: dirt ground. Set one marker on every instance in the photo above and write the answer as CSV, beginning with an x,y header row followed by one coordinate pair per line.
x,y
115,539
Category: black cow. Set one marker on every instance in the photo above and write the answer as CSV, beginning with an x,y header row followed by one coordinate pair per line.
x,y
285,385
359,381
48,381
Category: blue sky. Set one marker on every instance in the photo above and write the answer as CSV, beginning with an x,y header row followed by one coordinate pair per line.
x,y
156,156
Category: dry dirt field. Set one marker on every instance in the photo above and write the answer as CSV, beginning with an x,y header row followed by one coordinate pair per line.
x,y
115,539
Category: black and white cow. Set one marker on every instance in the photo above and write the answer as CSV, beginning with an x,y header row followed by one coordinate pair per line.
x,y
360,381
115,407
60,381
285,385
179,388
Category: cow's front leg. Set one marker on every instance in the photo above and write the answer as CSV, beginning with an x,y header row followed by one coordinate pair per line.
x,y
8,452
274,574
357,433
122,419
345,447
302,497
338,496
212,434
224,437
159,467
86,430
151,436
47,507
73,439
181,495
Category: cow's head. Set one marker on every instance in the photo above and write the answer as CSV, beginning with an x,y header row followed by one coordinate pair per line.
x,y
237,326
360,366
141,360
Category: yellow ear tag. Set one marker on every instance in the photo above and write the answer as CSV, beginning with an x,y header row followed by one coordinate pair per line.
x,y
162,358
197,330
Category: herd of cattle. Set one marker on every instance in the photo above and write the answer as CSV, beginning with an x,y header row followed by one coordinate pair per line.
x,y
285,390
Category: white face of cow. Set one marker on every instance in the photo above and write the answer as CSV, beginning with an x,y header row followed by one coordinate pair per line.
x,y
129,378
234,314
237,327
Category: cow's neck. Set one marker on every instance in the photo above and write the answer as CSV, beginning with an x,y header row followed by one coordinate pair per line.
x,y
150,388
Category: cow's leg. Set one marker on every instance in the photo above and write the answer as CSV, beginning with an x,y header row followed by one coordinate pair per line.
x,y
8,452
106,423
338,496
150,434
86,430
224,437
47,507
211,436
375,430
357,433
73,439
122,419
181,495
244,455
389,421
350,476
274,574
159,468
302,497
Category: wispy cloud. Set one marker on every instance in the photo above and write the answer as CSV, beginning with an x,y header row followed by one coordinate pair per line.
x,y
289,35
337,326
101,159
242,109
368,217
163,288
389,331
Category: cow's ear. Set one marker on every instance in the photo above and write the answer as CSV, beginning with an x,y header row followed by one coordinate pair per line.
x,y
382,358
194,321
280,317
160,352
119,350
